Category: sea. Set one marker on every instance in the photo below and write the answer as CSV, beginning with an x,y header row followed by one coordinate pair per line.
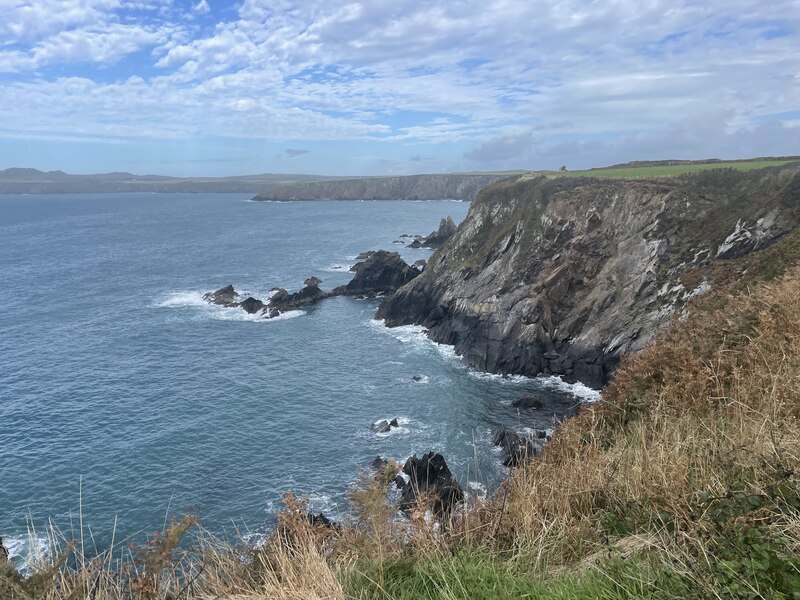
x,y
125,399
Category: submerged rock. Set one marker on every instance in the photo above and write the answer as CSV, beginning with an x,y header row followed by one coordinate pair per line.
x,y
429,476
529,401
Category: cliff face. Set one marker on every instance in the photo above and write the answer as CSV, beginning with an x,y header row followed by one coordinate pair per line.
x,y
563,276
411,187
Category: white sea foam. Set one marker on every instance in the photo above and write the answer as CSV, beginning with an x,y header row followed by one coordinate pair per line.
x,y
322,503
202,310
416,336
27,550
579,390
401,429
478,489
500,378
534,433
338,268
181,299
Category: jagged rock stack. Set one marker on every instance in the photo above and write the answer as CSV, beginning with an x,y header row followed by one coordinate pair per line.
x,y
447,228
429,476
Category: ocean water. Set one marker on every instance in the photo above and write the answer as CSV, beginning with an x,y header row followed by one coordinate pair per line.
x,y
125,395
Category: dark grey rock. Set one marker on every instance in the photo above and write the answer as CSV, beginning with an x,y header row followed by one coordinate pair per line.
x,y
429,475
516,448
251,305
447,228
282,301
382,273
223,297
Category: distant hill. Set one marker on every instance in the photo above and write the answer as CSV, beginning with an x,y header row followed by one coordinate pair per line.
x,y
32,181
455,186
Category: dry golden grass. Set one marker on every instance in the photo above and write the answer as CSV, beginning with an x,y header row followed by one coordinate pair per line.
x,y
709,410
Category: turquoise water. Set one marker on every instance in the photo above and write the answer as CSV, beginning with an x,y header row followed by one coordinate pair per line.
x,y
117,378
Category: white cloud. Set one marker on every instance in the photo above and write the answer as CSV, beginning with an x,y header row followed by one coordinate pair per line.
x,y
508,76
202,7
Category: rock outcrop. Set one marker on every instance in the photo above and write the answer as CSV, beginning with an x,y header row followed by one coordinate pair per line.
x,y
447,227
429,477
282,301
381,273
516,448
563,276
223,297
385,425
454,186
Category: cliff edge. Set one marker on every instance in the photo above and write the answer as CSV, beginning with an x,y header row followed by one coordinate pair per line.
x,y
560,276
453,186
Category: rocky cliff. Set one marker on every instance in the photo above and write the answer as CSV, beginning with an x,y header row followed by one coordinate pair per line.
x,y
560,276
455,186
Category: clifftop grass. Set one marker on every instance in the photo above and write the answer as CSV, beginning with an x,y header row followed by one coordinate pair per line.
x,y
681,483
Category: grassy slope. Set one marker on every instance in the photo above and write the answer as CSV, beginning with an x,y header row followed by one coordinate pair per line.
x,y
680,484
647,171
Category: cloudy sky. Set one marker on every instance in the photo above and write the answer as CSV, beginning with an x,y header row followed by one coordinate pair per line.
x,y
393,86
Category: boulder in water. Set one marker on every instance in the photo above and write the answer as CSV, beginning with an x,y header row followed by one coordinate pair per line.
x,y
281,300
429,477
251,305
223,297
530,401
385,425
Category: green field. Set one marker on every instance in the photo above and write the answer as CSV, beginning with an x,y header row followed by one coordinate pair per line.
x,y
648,171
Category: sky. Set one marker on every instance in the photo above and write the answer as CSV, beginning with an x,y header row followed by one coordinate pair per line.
x,y
209,88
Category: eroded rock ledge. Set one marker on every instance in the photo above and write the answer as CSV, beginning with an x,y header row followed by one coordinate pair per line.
x,y
380,273
563,276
